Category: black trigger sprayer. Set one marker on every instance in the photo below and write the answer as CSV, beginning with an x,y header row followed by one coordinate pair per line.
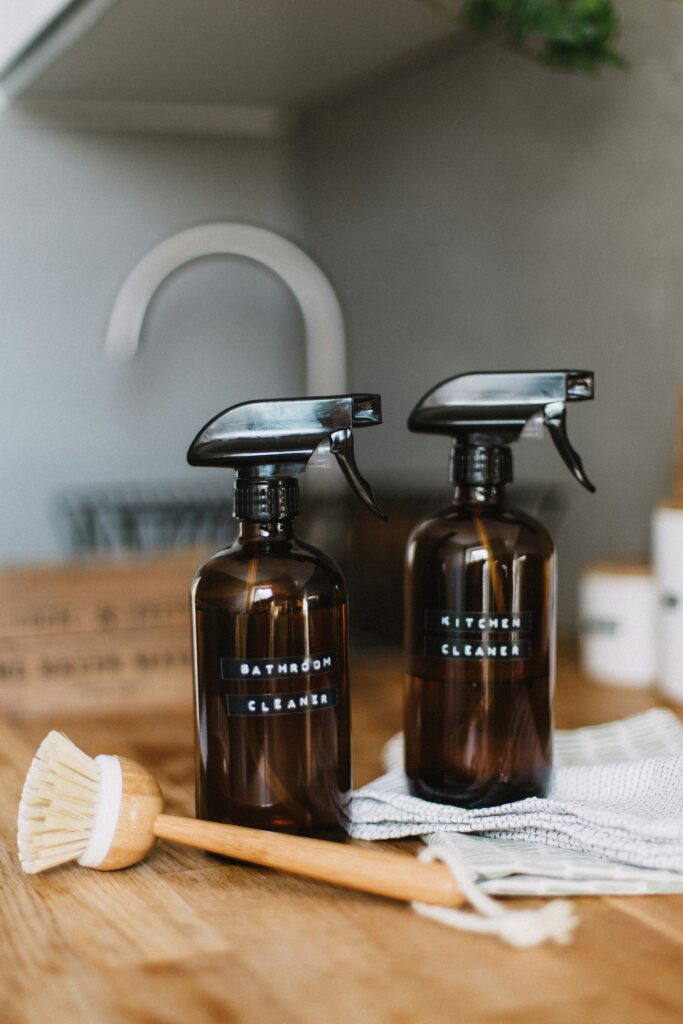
x,y
491,410
480,596
270,625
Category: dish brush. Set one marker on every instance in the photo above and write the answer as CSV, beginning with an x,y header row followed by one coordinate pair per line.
x,y
107,812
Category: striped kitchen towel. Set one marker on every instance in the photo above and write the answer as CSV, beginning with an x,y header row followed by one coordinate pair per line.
x,y
612,821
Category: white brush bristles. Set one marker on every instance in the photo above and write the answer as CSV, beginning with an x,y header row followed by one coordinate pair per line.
x,y
59,804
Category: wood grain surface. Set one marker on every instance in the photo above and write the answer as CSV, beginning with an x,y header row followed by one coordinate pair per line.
x,y
187,939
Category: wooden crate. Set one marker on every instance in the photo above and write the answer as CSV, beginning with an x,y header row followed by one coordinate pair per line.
x,y
97,637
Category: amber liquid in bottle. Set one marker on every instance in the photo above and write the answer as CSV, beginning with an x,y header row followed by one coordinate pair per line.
x,y
273,743
479,635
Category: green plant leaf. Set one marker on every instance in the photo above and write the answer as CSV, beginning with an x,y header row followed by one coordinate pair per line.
x,y
576,34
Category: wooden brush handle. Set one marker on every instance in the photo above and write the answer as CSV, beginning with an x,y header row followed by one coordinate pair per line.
x,y
394,875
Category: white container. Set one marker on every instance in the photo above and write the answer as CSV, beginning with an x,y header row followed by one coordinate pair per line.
x,y
617,624
668,564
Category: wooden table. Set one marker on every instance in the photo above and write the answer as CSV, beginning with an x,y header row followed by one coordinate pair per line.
x,y
186,939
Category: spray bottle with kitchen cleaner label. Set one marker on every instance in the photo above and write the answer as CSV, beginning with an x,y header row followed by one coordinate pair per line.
x,y
480,597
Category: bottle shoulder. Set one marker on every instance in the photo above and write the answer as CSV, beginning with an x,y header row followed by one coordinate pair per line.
x,y
280,570
464,527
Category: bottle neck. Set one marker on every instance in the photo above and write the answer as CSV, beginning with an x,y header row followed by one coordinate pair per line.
x,y
257,530
478,495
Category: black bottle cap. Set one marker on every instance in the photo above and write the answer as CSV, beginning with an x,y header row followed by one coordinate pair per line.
x,y
266,500
481,465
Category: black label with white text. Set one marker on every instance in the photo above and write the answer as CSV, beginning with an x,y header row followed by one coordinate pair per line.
x,y
476,622
279,668
477,636
478,650
269,704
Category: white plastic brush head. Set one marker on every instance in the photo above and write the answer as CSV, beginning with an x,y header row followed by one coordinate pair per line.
x,y
97,811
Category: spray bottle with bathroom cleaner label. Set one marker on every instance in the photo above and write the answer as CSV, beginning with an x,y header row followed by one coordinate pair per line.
x,y
273,742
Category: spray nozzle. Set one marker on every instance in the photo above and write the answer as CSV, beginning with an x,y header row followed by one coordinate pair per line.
x,y
492,409
341,445
275,439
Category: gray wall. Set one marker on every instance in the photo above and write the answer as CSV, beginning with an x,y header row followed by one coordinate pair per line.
x,y
489,213
77,211
481,212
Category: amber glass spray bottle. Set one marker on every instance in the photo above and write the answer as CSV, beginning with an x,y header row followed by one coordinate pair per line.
x,y
480,598
273,741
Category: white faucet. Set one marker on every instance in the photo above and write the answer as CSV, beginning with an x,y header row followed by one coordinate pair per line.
x,y
322,316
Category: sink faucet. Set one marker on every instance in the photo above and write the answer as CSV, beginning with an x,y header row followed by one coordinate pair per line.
x,y
322,316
